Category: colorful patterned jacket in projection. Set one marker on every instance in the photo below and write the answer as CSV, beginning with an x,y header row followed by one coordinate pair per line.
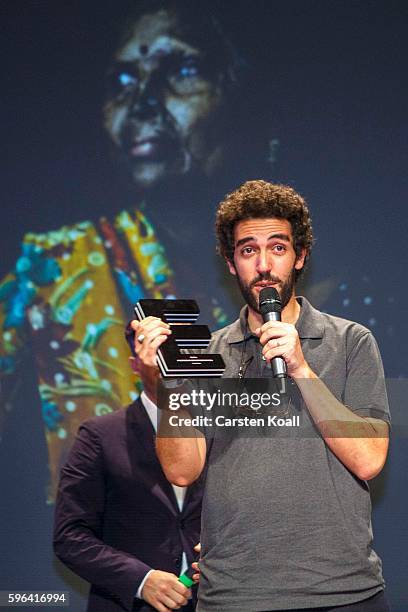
x,y
64,307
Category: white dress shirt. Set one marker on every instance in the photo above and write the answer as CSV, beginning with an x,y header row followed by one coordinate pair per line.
x,y
180,492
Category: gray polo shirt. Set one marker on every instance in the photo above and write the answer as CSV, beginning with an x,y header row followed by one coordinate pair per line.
x,y
284,524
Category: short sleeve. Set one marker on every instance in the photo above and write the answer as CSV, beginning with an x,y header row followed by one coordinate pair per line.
x,y
365,390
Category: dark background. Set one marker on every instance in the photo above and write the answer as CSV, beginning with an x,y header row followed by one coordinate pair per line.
x,y
332,91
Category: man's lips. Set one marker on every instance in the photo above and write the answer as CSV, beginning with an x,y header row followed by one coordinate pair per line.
x,y
263,284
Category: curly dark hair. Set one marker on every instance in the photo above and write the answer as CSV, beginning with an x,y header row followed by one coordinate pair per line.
x,y
257,199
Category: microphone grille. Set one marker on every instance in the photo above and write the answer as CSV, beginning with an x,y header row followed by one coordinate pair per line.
x,y
269,300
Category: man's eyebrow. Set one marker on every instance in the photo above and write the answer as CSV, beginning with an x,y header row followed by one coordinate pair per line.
x,y
283,237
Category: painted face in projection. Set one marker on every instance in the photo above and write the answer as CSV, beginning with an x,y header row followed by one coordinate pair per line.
x,y
164,102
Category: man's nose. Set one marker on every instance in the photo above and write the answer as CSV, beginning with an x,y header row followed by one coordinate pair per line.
x,y
147,100
263,262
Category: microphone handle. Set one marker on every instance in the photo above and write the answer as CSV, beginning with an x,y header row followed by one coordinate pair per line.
x,y
278,364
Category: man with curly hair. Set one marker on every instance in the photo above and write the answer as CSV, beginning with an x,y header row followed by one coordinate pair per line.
x,y
286,522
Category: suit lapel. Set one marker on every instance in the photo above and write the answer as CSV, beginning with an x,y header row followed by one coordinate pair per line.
x,y
143,434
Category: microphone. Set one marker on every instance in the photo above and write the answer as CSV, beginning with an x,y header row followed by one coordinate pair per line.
x,y
270,307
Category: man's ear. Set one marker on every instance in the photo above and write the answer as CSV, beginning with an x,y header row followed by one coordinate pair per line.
x,y
231,267
300,261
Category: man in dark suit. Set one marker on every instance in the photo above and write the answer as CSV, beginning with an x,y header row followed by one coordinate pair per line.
x,y
119,523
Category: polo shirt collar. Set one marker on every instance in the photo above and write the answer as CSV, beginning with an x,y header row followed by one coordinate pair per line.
x,y
310,323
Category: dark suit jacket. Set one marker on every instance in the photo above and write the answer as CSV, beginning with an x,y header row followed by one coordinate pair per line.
x,y
117,515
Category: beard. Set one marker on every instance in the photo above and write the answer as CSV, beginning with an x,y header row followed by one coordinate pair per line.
x,y
285,289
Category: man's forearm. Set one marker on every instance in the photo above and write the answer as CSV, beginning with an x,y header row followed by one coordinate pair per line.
x,y
360,443
98,563
181,449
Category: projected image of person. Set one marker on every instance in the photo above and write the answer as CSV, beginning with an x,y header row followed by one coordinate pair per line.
x,y
178,115
170,115
166,101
